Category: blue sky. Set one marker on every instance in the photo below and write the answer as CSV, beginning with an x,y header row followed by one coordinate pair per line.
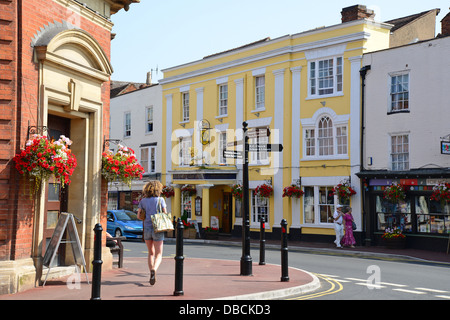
x,y
166,33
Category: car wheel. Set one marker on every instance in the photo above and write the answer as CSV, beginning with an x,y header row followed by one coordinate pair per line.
x,y
118,233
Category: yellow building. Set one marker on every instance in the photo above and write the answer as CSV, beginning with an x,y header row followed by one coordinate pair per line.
x,y
305,88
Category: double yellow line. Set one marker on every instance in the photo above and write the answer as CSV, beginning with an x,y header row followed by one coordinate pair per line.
x,y
336,286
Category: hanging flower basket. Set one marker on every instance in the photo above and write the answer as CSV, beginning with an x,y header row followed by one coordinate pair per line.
x,y
343,191
394,193
441,193
237,191
264,191
42,159
121,166
167,192
189,190
293,191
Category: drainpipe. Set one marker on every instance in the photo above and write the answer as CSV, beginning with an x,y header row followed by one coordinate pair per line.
x,y
366,222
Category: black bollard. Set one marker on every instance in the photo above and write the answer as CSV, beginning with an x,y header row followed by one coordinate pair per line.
x,y
174,232
97,263
284,252
179,259
262,242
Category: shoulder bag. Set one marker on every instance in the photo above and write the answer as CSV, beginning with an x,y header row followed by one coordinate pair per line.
x,y
161,221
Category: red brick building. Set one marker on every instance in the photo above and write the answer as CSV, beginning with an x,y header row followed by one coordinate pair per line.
x,y
54,79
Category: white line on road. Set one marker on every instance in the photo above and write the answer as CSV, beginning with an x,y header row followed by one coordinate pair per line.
x,y
443,297
432,290
370,285
409,291
393,284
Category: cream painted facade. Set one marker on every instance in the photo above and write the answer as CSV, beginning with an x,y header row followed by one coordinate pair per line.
x,y
290,85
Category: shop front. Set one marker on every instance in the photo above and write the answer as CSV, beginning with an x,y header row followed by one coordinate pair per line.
x,y
204,199
423,219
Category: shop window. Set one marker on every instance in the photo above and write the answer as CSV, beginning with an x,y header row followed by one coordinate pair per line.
x,y
112,200
432,216
319,204
391,215
308,200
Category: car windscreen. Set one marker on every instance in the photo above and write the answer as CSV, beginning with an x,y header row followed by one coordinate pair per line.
x,y
126,215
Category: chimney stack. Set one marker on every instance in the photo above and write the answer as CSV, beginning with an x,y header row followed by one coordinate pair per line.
x,y
149,78
445,25
357,12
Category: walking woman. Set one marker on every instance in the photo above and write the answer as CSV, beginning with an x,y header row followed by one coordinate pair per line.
x,y
348,240
154,241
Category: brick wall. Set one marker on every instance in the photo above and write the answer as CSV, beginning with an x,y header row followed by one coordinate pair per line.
x,y
445,25
19,22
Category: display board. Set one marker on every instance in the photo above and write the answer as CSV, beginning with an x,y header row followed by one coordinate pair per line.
x,y
65,222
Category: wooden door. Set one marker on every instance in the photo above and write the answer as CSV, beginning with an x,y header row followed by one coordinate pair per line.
x,y
227,219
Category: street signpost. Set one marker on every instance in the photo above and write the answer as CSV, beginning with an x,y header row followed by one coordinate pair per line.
x,y
233,154
265,147
246,259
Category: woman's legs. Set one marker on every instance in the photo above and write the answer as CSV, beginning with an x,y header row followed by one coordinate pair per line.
x,y
155,251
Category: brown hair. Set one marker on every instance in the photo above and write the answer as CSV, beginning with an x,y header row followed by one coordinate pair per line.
x,y
152,189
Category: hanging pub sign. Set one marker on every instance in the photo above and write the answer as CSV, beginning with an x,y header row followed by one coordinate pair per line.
x,y
445,147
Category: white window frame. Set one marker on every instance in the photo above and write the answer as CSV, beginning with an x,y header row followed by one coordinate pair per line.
x,y
313,145
185,106
184,153
399,159
223,99
149,119
397,92
144,158
260,92
186,204
317,79
259,205
262,157
222,146
127,124
317,203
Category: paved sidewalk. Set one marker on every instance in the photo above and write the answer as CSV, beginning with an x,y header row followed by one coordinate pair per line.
x,y
202,279
215,279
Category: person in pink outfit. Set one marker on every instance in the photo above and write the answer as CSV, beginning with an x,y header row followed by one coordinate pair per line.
x,y
348,240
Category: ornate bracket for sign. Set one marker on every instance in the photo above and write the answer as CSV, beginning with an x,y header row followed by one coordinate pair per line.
x,y
106,142
36,130
205,129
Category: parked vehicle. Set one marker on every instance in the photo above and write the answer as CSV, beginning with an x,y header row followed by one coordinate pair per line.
x,y
124,223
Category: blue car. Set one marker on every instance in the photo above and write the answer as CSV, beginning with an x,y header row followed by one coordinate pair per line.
x,y
124,223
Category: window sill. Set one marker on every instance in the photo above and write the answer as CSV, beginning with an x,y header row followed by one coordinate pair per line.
x,y
315,158
313,97
397,111
255,110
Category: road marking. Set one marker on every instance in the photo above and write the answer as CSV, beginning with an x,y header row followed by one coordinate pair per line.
x,y
409,291
432,290
341,280
443,297
370,285
356,279
332,290
393,284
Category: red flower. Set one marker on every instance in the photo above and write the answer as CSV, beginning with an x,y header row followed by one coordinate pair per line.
x,y
264,190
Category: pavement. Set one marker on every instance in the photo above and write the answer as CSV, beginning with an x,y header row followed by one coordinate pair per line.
x,y
215,279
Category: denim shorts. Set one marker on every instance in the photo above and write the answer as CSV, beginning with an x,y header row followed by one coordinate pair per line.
x,y
150,234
